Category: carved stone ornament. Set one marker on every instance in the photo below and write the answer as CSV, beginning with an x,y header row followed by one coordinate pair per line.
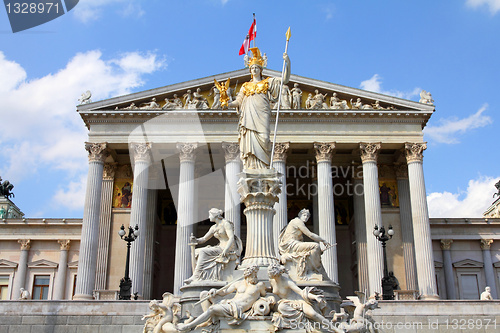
x,y
231,151
109,171
401,171
369,151
486,244
187,151
65,244
324,151
415,151
25,244
141,151
97,151
446,244
280,150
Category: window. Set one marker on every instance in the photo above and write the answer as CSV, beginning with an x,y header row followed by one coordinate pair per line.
x,y
41,287
470,286
4,287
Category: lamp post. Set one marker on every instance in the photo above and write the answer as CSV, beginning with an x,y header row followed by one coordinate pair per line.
x,y
126,282
387,283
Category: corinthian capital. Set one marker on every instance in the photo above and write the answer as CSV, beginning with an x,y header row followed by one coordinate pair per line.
x,y
446,244
486,244
231,151
280,151
141,151
97,151
369,151
415,151
109,171
187,151
324,151
25,244
65,244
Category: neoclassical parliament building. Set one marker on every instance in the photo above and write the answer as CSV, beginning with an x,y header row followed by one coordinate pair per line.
x,y
161,158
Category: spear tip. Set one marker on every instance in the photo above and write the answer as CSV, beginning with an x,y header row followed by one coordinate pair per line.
x,y
288,34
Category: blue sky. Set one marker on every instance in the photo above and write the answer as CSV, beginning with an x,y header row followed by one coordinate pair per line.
x,y
113,47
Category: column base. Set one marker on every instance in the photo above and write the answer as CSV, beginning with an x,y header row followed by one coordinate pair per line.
x,y
83,298
429,297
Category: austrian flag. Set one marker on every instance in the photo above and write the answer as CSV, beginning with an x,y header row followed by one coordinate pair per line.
x,y
252,33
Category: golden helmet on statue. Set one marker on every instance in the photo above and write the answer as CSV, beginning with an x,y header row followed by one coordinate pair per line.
x,y
257,58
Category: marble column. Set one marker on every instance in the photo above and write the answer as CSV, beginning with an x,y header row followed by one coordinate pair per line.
x,y
232,199
150,245
281,218
185,214
489,272
448,268
108,179
406,226
373,215
87,258
20,277
138,212
326,208
360,231
62,269
424,258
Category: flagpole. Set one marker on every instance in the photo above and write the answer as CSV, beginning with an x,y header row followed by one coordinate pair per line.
x,y
288,35
254,22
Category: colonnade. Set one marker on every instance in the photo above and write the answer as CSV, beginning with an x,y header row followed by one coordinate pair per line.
x,y
417,245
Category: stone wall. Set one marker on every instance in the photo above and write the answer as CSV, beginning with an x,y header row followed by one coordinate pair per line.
x,y
125,317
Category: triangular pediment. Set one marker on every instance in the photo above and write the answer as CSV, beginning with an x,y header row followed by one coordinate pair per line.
x,y
43,263
73,264
438,264
7,264
468,263
155,99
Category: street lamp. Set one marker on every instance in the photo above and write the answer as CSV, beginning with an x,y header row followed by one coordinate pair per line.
x,y
387,283
126,283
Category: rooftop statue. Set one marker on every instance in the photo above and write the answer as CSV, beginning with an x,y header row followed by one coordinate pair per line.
x,y
150,105
426,97
304,257
486,294
6,189
175,103
85,98
213,261
296,96
223,90
248,291
497,185
255,112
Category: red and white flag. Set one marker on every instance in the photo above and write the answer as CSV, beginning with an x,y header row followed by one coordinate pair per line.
x,y
252,33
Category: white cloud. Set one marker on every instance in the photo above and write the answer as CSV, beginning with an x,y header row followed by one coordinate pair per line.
x,y
375,84
73,196
41,128
470,203
91,10
449,128
493,5
328,10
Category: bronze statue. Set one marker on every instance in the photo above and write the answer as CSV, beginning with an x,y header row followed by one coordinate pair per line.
x,y
6,189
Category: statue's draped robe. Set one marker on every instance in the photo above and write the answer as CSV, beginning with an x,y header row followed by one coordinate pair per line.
x,y
255,108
